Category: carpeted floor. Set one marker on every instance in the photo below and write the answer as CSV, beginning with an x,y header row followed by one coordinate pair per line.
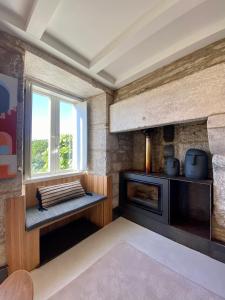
x,y
127,273
59,272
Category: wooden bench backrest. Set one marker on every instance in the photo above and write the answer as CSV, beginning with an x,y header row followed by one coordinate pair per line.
x,y
92,183
31,188
97,184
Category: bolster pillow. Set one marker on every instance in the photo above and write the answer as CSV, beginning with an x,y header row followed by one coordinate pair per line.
x,y
51,195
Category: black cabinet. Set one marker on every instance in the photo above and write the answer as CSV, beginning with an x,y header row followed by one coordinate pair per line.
x,y
176,201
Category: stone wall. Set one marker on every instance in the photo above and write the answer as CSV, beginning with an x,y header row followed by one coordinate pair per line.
x,y
107,153
216,134
199,60
186,136
120,155
194,97
12,64
97,134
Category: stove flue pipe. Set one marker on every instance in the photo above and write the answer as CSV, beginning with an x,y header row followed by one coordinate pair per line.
x,y
148,154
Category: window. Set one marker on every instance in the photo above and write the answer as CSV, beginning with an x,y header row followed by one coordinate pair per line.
x,y
57,136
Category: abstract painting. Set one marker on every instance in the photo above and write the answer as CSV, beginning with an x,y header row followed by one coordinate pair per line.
x,y
8,117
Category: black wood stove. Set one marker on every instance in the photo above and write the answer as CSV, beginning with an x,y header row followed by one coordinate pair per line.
x,y
146,192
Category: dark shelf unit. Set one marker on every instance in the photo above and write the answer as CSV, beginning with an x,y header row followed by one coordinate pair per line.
x,y
191,205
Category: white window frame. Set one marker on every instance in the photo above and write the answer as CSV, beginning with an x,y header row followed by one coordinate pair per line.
x,y
79,143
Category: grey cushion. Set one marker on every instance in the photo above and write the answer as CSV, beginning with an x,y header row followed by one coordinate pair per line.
x,y
36,218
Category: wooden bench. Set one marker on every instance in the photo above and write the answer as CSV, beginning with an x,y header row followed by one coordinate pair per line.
x,y
36,218
24,223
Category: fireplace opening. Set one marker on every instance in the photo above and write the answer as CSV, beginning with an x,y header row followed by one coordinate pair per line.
x,y
152,148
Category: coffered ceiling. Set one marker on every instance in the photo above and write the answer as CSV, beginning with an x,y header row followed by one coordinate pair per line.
x,y
115,41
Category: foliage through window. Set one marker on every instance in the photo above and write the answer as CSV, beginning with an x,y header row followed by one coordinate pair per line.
x,y
58,134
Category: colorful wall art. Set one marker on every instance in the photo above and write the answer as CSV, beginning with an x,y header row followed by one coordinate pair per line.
x,y
8,104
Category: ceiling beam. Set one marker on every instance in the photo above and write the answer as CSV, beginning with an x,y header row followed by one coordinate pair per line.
x,y
76,57
8,16
165,12
40,15
54,56
107,76
65,50
188,44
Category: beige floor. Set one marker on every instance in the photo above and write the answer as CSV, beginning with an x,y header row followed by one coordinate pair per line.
x,y
197,267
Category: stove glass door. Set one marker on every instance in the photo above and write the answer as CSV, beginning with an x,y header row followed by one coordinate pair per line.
x,y
144,194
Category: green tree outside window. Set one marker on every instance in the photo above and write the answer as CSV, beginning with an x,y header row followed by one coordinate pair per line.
x,y
40,154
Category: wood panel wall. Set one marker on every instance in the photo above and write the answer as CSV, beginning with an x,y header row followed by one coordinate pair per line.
x,y
100,185
22,247
31,188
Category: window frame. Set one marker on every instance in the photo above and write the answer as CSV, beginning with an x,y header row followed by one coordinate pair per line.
x,y
81,113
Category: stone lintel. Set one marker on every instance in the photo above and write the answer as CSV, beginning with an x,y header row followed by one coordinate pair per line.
x,y
195,97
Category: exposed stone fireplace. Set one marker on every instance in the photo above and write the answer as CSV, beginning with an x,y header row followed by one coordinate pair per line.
x,y
175,200
195,106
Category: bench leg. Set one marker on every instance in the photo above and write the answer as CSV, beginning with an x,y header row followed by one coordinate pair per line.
x,y
95,214
32,250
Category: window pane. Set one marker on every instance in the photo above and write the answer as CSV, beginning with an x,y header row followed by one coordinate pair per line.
x,y
40,133
67,134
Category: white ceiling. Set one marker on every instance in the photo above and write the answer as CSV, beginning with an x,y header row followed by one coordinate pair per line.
x,y
116,41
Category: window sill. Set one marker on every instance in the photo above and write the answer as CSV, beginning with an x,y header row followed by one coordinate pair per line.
x,y
50,177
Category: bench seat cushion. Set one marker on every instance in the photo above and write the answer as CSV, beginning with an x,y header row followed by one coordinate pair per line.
x,y
36,218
